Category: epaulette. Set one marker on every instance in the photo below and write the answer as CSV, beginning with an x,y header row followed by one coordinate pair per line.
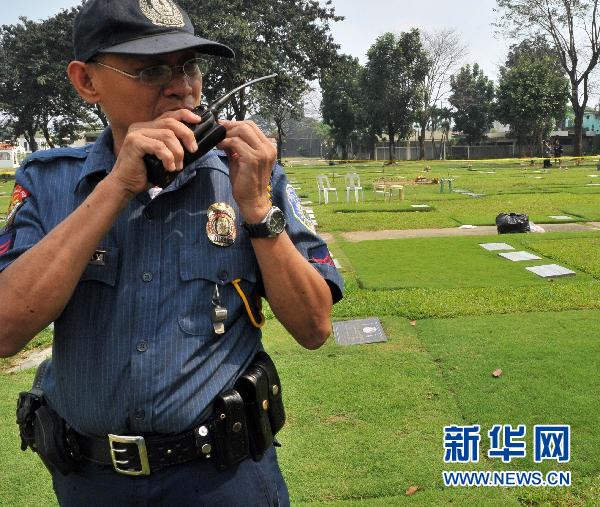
x,y
56,153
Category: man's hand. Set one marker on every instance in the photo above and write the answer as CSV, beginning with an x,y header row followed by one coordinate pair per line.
x,y
164,138
251,159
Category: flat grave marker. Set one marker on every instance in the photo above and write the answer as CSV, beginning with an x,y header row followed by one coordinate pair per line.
x,y
355,332
519,256
551,271
492,247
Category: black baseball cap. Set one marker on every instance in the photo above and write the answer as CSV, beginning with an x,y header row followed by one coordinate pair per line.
x,y
138,27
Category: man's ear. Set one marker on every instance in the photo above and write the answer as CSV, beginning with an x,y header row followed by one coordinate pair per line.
x,y
82,80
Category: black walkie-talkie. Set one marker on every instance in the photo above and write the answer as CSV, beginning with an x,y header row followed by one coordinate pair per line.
x,y
208,134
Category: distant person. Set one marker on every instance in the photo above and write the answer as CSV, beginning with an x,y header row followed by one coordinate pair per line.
x,y
558,151
546,153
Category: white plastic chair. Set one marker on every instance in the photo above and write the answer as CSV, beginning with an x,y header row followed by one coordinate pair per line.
x,y
325,188
353,184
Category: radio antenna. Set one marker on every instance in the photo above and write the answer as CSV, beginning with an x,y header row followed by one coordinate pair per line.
x,y
217,104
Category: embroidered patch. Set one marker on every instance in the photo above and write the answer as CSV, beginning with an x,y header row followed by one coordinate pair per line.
x,y
162,12
298,209
6,241
19,195
320,255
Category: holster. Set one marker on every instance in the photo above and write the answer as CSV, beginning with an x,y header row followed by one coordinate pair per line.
x,y
43,430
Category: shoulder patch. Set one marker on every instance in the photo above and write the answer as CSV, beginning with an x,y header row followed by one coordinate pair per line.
x,y
50,155
19,196
320,255
6,240
298,209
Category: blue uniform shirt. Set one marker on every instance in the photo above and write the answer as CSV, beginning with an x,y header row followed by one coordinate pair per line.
x,y
134,350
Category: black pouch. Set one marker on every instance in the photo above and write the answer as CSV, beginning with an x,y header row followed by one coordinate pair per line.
x,y
230,430
51,441
276,412
253,386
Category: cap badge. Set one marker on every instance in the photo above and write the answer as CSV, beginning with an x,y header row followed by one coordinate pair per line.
x,y
220,227
162,12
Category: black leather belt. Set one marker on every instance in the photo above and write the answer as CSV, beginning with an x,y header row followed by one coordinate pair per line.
x,y
138,455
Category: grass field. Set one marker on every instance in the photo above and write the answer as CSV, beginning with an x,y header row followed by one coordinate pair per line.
x,y
365,423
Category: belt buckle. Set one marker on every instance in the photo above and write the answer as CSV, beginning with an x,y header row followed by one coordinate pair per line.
x,y
118,464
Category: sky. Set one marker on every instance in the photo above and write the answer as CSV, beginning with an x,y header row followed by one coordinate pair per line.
x,y
365,20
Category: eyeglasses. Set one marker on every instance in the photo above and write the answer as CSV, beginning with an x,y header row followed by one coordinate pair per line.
x,y
160,75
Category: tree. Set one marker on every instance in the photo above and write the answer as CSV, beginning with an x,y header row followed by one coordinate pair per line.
x,y
35,93
532,93
395,70
472,95
281,100
289,37
444,50
571,27
441,119
340,87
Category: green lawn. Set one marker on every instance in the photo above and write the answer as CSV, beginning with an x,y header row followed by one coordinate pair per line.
x,y
511,187
449,262
365,423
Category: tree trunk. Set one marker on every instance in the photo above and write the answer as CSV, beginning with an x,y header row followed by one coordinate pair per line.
x,y
47,135
30,136
422,142
280,136
345,151
391,145
578,143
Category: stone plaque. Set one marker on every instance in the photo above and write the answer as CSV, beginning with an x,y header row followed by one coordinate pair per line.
x,y
551,271
492,247
519,256
354,332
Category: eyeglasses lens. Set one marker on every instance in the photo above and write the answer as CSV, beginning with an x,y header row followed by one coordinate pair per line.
x,y
162,74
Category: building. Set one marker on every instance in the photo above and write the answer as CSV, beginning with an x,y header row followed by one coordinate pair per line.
x,y
10,156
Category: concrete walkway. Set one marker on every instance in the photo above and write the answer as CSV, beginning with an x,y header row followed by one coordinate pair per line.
x,y
31,360
456,231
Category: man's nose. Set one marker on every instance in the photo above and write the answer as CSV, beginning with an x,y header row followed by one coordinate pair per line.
x,y
180,84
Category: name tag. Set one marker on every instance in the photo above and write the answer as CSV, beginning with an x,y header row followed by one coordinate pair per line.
x,y
98,258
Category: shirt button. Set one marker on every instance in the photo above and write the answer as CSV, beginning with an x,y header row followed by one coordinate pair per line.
x,y
142,346
223,276
139,414
147,277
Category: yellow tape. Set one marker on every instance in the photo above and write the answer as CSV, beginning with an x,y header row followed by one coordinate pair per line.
x,y
516,160
236,285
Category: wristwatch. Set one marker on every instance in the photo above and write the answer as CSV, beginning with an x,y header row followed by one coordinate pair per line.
x,y
269,227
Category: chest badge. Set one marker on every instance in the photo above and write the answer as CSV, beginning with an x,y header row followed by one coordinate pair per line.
x,y
220,227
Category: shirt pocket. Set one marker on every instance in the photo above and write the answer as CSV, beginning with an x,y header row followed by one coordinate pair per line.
x,y
201,268
103,267
93,300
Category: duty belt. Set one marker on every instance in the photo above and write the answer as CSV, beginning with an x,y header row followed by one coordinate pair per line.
x,y
245,420
138,455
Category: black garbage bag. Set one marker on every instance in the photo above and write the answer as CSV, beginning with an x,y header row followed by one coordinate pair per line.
x,y
508,223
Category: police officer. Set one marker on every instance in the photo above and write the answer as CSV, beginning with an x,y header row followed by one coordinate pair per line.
x,y
155,291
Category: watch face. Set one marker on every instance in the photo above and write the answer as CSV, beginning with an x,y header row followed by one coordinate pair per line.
x,y
276,222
